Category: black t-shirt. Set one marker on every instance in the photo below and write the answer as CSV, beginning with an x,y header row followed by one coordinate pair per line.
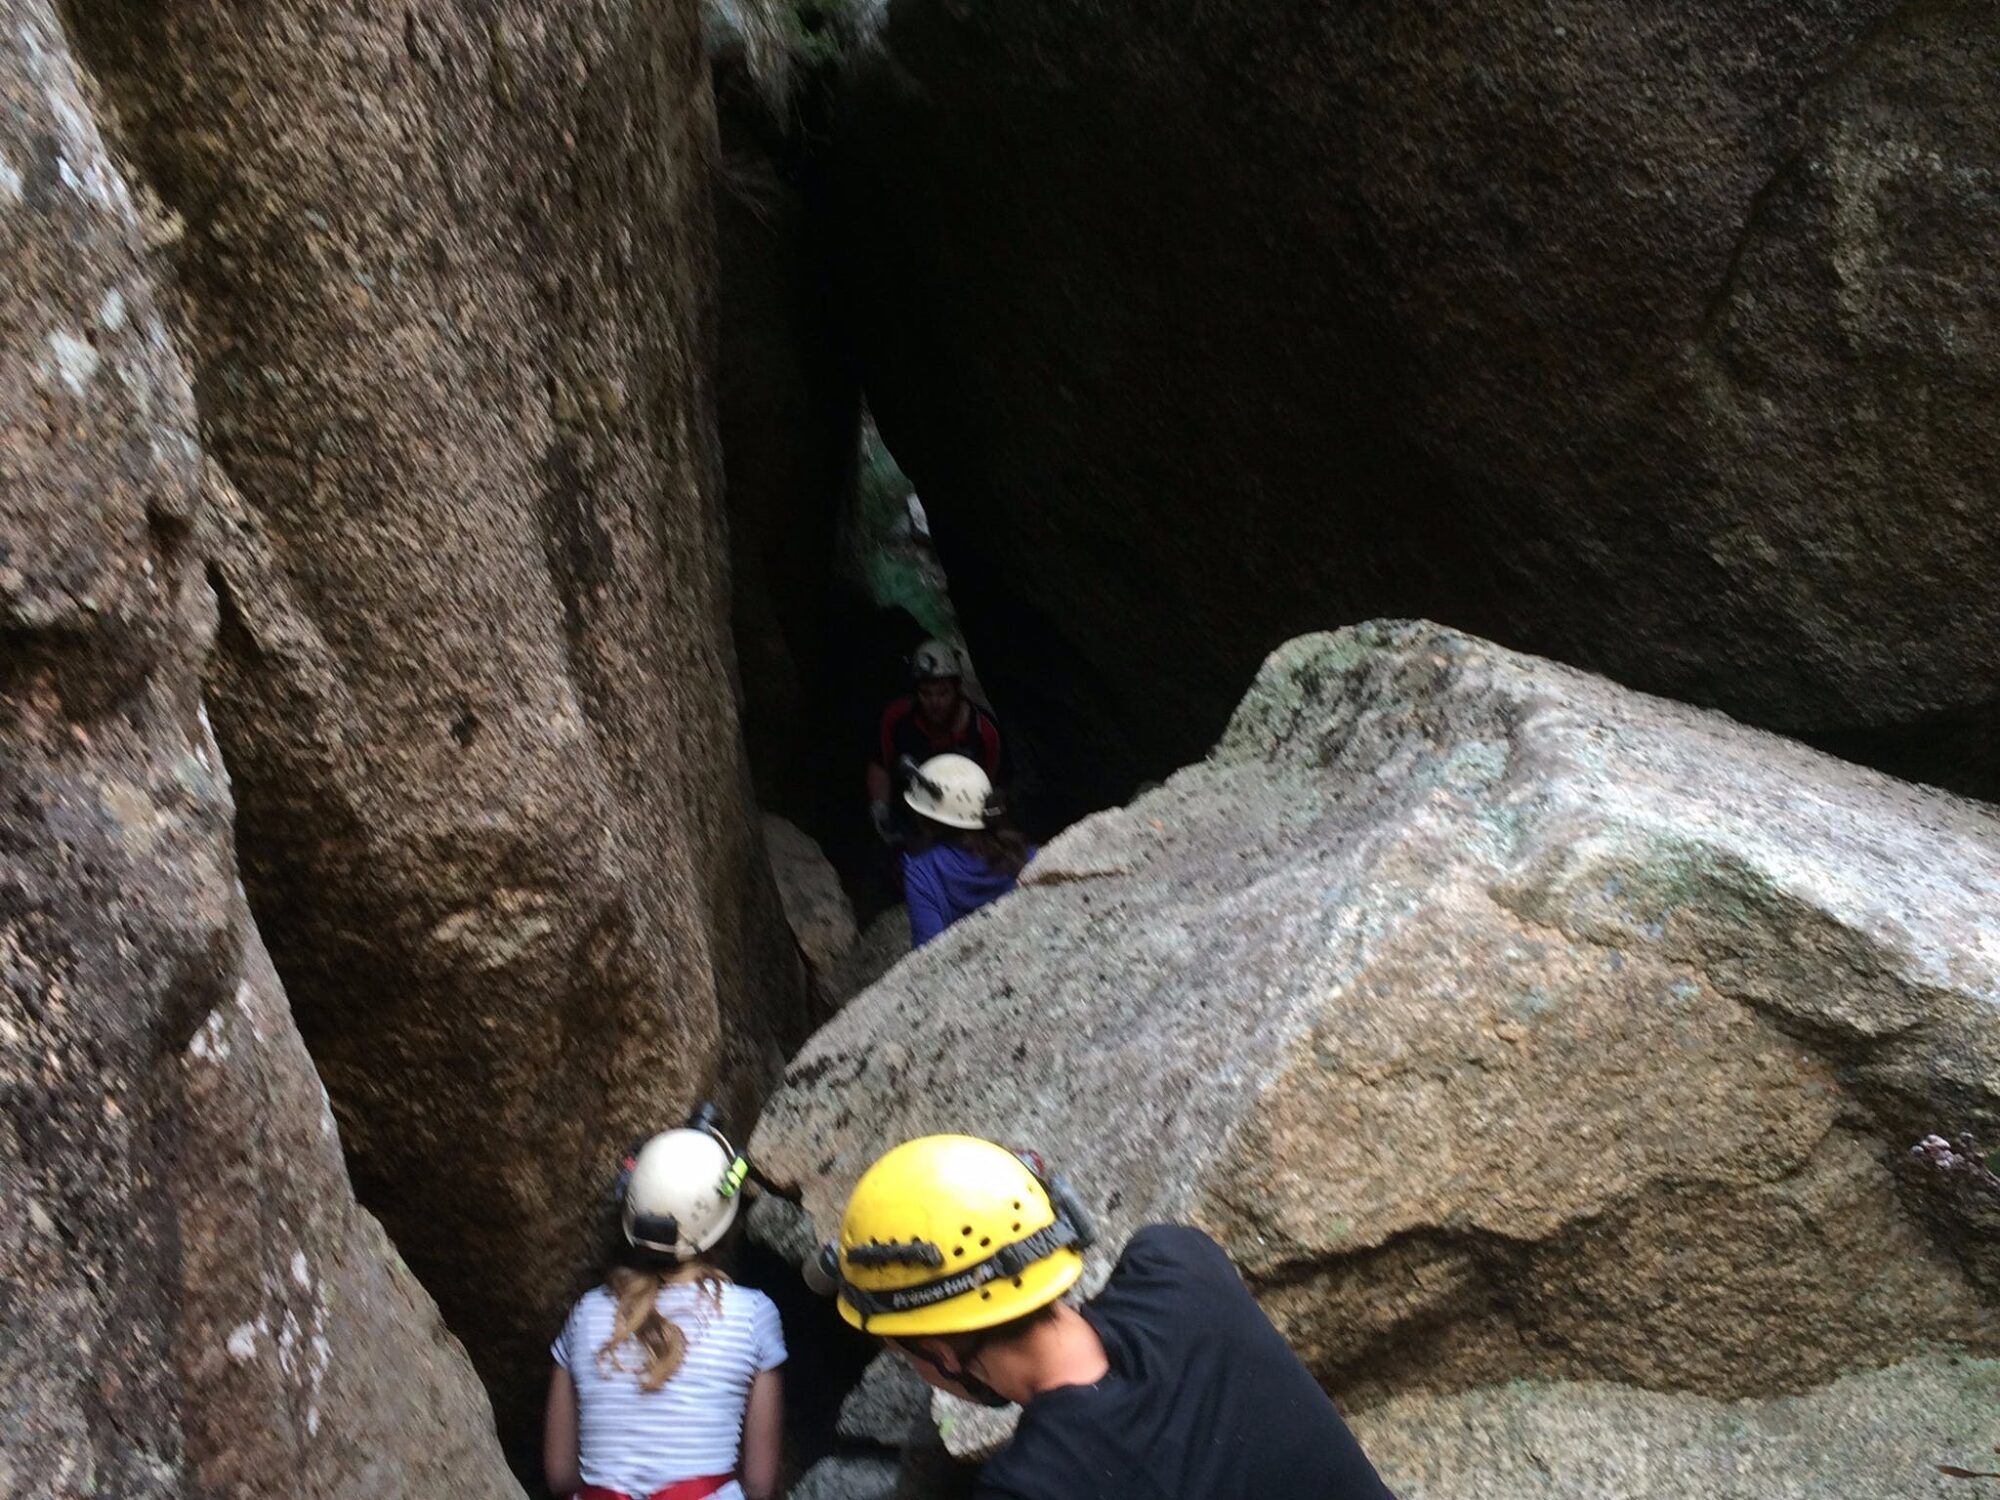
x,y
1204,1399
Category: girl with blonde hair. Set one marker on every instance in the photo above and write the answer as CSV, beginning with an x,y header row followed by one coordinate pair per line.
x,y
666,1383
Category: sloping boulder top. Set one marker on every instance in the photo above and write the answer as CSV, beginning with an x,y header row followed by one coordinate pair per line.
x,y
1501,1023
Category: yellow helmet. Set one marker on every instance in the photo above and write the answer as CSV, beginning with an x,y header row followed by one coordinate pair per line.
x,y
951,1234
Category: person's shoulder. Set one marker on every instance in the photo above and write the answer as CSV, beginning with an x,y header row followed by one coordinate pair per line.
x,y
992,1487
1173,1235
1183,1238
1175,1247
747,1298
958,859
1173,1287
897,710
595,1308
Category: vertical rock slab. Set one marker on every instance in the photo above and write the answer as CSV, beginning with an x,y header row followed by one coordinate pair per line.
x,y
311,1360
448,274
190,1302
1662,338
817,909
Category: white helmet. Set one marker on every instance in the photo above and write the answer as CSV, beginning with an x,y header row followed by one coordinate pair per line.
x,y
935,659
682,1191
951,790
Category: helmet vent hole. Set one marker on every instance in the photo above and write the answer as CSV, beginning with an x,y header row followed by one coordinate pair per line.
x,y
1017,1208
1017,1281
985,1241
1017,1226
985,1296
959,1252
967,1231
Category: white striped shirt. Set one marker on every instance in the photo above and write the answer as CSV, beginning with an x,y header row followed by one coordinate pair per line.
x,y
637,1441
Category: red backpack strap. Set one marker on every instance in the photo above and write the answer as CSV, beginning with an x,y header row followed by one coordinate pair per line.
x,y
892,720
989,740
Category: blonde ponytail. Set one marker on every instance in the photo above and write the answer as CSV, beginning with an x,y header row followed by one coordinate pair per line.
x,y
639,1319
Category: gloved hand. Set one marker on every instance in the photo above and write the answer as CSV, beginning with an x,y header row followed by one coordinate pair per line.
x,y
885,823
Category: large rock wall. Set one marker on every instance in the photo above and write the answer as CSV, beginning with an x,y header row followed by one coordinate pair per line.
x,y
190,1302
1659,338
1504,1025
447,273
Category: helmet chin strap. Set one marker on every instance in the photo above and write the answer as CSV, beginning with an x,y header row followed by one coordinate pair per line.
x,y
975,1389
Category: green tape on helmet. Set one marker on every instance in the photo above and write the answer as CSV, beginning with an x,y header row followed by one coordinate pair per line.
x,y
733,1179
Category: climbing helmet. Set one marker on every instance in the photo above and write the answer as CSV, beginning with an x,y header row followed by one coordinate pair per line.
x,y
951,1234
682,1189
952,790
934,660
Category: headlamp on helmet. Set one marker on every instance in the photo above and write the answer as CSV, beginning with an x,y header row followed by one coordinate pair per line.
x,y
934,661
680,1191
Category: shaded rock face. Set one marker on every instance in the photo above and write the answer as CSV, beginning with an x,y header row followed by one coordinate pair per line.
x,y
816,908
788,411
1500,1022
311,1361
883,944
192,1303
1656,338
447,280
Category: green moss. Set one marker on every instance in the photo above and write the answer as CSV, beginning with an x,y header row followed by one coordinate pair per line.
x,y
880,487
894,573
818,34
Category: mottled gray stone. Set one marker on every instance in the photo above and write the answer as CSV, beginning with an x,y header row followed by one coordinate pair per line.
x,y
1502,1023
881,1408
848,1476
1877,1436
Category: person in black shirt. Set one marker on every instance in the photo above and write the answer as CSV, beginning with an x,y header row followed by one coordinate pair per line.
x,y
1170,1384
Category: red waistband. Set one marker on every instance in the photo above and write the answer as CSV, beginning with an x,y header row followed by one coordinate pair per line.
x,y
680,1489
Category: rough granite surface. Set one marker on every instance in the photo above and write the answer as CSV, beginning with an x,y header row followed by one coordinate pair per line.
x,y
1502,1023
446,278
1656,336
191,1304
